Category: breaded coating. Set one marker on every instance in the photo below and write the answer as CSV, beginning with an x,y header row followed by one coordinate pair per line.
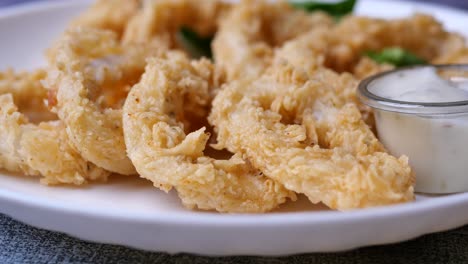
x,y
248,34
41,149
273,114
108,14
163,153
347,168
91,75
366,67
343,46
159,20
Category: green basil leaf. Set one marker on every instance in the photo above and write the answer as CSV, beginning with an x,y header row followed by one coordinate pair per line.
x,y
337,9
396,56
195,44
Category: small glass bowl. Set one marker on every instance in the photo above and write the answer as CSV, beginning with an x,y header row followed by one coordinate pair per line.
x,y
434,135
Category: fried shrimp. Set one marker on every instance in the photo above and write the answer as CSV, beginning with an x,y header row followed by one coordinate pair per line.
x,y
108,14
169,157
41,149
306,134
159,20
247,35
90,80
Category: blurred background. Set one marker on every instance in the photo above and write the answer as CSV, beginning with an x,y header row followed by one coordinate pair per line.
x,y
455,3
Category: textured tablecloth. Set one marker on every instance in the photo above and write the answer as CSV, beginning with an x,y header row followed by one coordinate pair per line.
x,y
20,243
24,244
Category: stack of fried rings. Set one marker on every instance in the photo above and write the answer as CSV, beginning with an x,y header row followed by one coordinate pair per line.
x,y
272,116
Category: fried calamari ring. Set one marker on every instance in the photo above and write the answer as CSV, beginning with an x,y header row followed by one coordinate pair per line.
x,y
108,14
305,134
355,35
246,37
91,77
27,92
159,20
113,15
343,46
163,153
309,52
37,149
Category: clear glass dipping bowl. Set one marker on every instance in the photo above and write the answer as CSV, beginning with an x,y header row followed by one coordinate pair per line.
x,y
434,135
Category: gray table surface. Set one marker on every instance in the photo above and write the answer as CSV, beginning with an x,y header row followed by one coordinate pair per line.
x,y
24,244
20,243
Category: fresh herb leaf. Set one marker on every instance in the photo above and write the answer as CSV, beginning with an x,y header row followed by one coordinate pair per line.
x,y
337,9
396,56
195,44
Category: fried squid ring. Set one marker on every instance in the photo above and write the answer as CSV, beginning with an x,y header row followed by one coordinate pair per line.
x,y
246,37
343,46
91,78
305,134
163,153
159,20
37,149
27,91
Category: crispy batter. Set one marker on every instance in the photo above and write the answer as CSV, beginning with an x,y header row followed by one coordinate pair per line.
x,y
108,14
354,35
288,110
342,47
347,169
247,35
92,75
27,92
163,153
25,87
159,20
42,149
366,67
113,15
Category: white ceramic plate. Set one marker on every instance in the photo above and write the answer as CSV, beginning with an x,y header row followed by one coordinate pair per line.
x,y
129,211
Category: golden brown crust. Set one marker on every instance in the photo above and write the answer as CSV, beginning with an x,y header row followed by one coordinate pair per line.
x,y
347,168
159,20
248,34
163,153
41,149
288,111
92,73
111,15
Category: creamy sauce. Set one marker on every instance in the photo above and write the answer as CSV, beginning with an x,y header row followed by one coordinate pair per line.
x,y
437,146
421,85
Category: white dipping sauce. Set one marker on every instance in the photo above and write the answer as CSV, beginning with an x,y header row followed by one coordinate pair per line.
x,y
420,85
437,146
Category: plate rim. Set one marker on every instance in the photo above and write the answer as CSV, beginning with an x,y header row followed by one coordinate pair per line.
x,y
44,5
206,219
